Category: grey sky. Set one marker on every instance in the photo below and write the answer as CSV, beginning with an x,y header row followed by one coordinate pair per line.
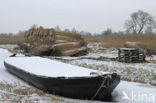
x,y
88,15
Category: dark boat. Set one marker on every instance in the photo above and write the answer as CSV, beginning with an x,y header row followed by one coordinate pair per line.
x,y
81,86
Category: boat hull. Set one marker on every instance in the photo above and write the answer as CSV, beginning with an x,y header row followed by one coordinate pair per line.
x,y
91,88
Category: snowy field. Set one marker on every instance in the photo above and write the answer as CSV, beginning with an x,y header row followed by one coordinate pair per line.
x,y
99,59
106,60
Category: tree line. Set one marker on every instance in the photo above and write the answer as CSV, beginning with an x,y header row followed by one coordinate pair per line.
x,y
140,23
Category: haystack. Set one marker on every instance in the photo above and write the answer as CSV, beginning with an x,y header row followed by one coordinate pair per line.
x,y
129,44
51,42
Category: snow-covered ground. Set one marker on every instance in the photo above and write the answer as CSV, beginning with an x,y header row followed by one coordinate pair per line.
x,y
8,46
125,91
106,60
4,75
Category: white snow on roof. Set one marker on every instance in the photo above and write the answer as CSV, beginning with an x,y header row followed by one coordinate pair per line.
x,y
46,67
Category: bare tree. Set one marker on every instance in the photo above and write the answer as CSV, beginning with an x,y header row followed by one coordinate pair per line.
x,y
34,26
74,30
66,30
149,30
139,22
21,32
57,28
107,32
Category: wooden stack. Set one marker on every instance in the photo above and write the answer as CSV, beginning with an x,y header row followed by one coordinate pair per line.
x,y
56,43
131,55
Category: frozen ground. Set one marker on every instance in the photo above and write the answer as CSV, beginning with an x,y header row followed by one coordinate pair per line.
x,y
8,46
125,91
106,60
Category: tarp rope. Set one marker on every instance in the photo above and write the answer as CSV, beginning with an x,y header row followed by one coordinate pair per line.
x,y
101,86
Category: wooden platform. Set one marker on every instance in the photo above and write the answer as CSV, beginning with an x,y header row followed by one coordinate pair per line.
x,y
131,55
